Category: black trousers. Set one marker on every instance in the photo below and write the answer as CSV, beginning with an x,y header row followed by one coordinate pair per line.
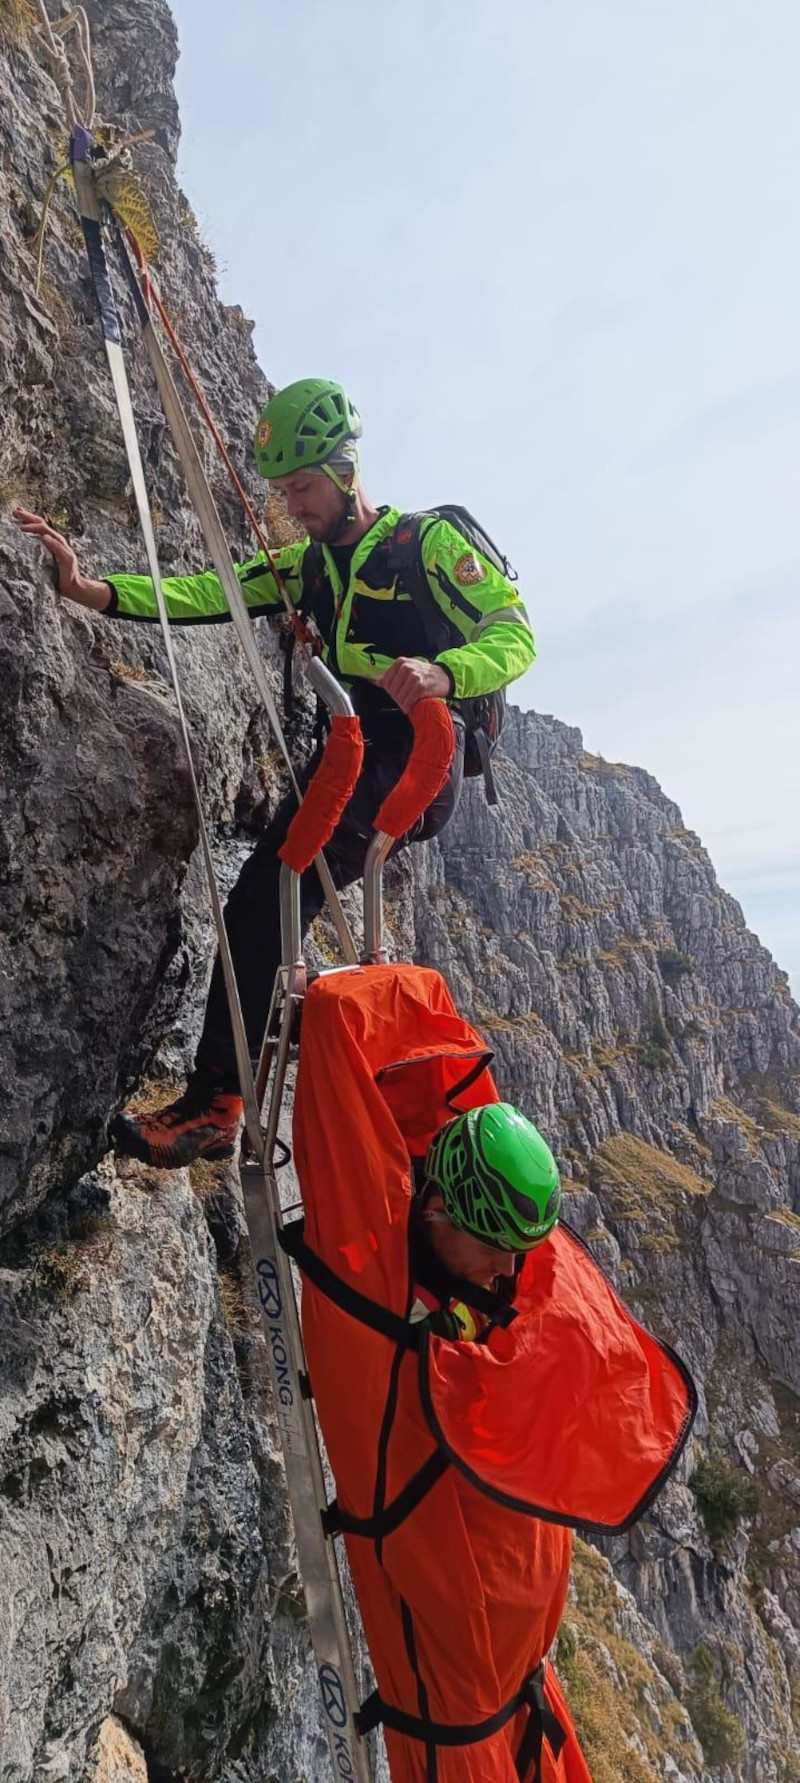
x,y
252,913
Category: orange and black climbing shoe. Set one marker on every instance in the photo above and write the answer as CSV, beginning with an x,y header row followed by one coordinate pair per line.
x,y
203,1123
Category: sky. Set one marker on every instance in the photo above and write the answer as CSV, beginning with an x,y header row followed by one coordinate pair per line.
x,y
551,248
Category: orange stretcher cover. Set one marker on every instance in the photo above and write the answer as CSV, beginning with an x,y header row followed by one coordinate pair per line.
x,y
465,1463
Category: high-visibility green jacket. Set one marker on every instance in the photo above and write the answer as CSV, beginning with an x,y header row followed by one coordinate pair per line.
x,y
368,623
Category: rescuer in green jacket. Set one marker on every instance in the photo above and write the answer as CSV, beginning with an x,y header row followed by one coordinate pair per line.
x,y
375,640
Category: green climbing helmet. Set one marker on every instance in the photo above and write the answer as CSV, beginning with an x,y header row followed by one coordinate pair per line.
x,y
303,426
496,1176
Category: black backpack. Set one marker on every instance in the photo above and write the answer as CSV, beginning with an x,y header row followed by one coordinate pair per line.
x,y
485,715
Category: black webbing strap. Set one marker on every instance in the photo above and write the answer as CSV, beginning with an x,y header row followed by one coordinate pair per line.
x,y
336,1521
543,1724
423,1700
367,1311
481,1064
485,758
404,558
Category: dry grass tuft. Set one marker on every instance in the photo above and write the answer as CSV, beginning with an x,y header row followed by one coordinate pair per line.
x,y
729,1111
785,1216
18,20
597,764
779,1119
58,1274
127,671
626,1163
233,1306
152,1094
60,1271
207,1178
131,674
622,1739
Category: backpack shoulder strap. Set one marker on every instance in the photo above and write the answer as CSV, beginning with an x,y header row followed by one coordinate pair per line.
x,y
406,560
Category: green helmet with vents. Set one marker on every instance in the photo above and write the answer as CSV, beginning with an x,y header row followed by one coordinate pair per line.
x,y
496,1176
303,426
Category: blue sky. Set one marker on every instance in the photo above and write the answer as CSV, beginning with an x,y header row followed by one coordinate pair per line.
x,y
552,249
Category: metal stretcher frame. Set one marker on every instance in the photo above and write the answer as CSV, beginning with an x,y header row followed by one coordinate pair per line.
x,y
316,1554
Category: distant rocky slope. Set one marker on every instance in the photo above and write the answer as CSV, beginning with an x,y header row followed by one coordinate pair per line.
x,y
151,1622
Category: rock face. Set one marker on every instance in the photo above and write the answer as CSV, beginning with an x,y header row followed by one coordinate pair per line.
x,y
151,1620
97,821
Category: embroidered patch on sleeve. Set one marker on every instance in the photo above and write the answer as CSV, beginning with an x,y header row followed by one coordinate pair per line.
x,y
469,570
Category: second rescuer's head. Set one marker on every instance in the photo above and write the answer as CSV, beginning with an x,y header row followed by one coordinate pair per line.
x,y
306,441
492,1192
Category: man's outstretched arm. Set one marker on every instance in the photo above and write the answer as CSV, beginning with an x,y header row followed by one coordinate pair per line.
x,y
190,599
69,581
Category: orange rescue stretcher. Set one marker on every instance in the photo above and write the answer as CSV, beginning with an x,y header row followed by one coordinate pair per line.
x,y
461,1467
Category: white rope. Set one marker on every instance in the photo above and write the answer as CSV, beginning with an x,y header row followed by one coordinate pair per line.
x,y
51,32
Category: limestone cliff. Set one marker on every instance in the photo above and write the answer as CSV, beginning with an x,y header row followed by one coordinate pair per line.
x,y
151,1621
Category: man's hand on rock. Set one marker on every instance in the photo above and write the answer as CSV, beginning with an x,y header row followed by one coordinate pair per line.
x,y
409,679
71,584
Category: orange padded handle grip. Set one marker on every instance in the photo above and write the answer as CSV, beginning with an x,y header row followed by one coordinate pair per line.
x,y
426,770
328,793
